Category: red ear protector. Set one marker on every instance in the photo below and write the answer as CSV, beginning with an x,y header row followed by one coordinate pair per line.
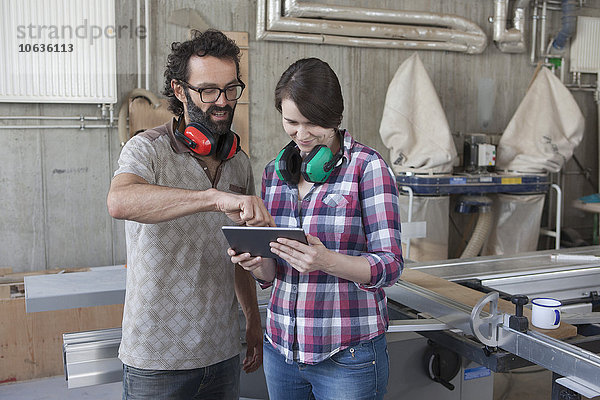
x,y
201,140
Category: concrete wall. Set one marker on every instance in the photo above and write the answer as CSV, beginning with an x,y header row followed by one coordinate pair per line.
x,y
53,183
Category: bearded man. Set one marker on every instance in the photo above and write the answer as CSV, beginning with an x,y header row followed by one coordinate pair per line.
x,y
175,186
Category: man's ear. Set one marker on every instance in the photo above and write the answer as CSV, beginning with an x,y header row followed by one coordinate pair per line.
x,y
178,91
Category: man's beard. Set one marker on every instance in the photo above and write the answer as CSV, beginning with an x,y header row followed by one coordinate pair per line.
x,y
196,114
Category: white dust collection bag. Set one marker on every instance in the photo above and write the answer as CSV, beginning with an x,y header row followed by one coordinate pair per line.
x,y
545,129
516,224
414,125
435,211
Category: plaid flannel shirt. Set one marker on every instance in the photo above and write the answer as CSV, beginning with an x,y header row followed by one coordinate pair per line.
x,y
311,316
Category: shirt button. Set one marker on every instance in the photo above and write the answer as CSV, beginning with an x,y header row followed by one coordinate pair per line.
x,y
294,288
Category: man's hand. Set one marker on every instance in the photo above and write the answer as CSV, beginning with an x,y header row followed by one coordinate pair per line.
x,y
244,210
254,351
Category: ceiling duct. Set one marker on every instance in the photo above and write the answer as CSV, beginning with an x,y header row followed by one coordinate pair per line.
x,y
361,27
510,40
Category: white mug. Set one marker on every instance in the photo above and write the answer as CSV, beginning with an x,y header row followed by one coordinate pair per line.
x,y
545,313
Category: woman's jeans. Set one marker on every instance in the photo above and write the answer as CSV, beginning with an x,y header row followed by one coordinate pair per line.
x,y
358,372
217,381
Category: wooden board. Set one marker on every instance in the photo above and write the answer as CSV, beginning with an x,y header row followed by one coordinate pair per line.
x,y
18,277
31,344
471,297
12,290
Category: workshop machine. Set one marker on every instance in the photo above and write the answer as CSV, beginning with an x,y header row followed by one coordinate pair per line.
x,y
454,323
493,331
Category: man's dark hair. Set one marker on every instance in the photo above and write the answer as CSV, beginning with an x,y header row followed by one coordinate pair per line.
x,y
313,86
208,43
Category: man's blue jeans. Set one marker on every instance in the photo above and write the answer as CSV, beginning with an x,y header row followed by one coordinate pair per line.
x,y
218,381
358,372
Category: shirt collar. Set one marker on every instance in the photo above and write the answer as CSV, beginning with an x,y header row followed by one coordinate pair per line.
x,y
348,143
176,144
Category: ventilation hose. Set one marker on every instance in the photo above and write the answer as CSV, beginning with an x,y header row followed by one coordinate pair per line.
x,y
568,24
480,234
124,111
482,205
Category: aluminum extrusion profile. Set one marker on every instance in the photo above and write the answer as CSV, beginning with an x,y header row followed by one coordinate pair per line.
x,y
578,366
417,325
91,358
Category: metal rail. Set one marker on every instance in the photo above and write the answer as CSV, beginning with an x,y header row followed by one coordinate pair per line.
x,y
91,358
580,368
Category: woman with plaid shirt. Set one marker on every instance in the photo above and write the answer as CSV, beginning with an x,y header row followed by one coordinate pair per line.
x,y
327,315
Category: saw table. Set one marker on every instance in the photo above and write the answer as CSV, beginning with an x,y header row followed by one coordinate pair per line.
x,y
462,305
473,298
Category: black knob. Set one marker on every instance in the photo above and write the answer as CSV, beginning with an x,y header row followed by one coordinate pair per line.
x,y
519,300
518,321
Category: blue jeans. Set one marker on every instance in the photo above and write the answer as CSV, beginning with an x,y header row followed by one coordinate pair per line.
x,y
358,372
217,381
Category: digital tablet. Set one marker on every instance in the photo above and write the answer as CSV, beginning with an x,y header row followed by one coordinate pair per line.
x,y
255,239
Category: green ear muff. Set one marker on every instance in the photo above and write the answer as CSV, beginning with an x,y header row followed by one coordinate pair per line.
x,y
316,166
287,164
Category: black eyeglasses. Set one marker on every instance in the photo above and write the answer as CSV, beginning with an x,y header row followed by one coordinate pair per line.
x,y
211,95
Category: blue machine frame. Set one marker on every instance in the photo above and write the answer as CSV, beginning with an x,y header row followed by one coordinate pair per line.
x,y
439,185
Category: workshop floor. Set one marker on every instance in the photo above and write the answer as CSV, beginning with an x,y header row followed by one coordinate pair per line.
x,y
55,388
531,383
527,383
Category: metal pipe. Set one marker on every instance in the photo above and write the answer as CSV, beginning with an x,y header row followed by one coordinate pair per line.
x,y
373,30
551,8
556,233
147,42
597,98
543,29
41,117
409,217
261,18
558,213
292,8
111,114
361,42
138,45
510,40
534,19
351,33
81,127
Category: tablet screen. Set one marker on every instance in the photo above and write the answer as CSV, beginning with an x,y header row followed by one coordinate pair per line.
x,y
255,239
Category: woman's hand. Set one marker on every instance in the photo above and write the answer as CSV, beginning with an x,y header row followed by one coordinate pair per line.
x,y
261,268
245,260
304,257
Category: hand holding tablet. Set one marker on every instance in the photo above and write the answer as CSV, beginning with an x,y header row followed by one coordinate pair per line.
x,y
255,239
